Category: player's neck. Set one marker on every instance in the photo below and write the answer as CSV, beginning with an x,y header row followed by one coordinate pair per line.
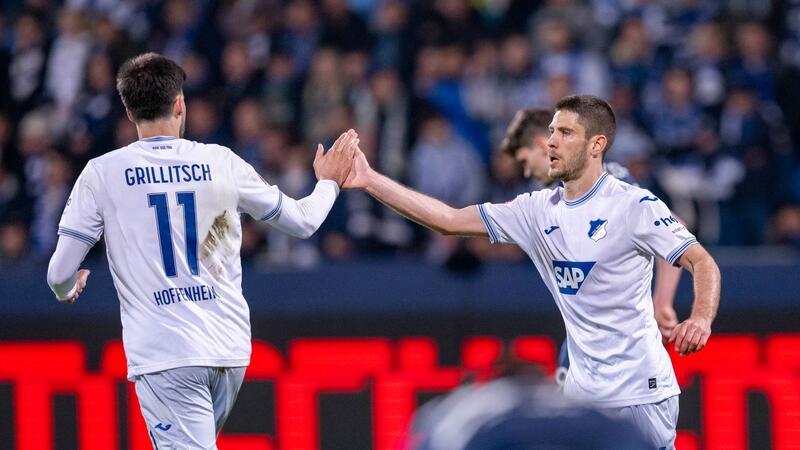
x,y
157,128
575,189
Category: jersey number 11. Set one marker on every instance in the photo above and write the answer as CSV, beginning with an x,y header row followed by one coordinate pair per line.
x,y
185,199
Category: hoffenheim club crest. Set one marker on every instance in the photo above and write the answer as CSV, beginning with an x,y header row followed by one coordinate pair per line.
x,y
597,229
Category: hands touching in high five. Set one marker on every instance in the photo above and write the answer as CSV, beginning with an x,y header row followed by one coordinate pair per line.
x,y
337,162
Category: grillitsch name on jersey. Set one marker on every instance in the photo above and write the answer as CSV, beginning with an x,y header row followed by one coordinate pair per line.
x,y
179,173
197,293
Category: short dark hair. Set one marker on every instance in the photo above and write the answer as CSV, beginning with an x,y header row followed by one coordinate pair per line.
x,y
148,84
594,113
525,125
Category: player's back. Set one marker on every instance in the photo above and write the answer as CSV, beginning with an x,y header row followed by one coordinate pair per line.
x,y
170,213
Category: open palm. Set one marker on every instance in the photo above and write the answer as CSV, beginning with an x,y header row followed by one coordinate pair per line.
x,y
357,179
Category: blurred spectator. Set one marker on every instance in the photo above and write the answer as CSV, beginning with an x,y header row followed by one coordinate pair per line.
x,y
28,62
13,241
199,77
239,76
281,90
203,124
390,26
674,117
323,92
180,20
561,54
35,142
49,204
300,33
444,166
67,63
707,57
753,61
746,134
786,226
248,122
97,108
632,147
634,58
12,196
343,29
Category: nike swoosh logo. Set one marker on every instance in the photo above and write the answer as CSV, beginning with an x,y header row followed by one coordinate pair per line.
x,y
164,427
648,199
551,229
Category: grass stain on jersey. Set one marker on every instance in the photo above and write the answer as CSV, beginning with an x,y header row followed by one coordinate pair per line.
x,y
217,248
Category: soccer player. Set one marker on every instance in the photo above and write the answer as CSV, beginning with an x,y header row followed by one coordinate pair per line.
x,y
593,241
526,142
170,211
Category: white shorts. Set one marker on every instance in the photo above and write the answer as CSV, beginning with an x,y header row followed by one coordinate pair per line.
x,y
185,407
657,421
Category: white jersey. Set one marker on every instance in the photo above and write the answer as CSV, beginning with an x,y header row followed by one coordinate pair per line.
x,y
595,254
170,209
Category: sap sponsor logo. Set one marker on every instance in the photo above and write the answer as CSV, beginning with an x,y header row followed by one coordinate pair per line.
x,y
570,275
666,221
597,229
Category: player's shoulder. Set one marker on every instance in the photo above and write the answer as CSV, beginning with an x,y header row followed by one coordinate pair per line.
x,y
213,148
619,172
629,193
547,195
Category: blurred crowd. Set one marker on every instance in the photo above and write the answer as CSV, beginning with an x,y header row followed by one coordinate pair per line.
x,y
705,92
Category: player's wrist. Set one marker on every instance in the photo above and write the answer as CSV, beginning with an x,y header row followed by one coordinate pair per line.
x,y
69,295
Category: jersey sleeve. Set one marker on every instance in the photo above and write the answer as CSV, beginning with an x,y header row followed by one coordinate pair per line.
x,y
656,231
256,197
508,223
82,218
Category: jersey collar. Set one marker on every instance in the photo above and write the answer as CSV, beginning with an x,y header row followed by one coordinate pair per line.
x,y
158,139
585,197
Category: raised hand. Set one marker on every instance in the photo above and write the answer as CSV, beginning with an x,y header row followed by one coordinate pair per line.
x,y
359,174
337,162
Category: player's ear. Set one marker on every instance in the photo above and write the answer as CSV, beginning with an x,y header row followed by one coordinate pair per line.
x,y
599,143
179,107
130,116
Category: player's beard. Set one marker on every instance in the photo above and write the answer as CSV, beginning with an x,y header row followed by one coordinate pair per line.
x,y
574,164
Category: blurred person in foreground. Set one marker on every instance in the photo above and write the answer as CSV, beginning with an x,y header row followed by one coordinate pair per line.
x,y
520,410
526,142
170,210
593,241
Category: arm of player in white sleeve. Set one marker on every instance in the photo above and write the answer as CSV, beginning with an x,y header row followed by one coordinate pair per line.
x,y
299,218
302,218
64,264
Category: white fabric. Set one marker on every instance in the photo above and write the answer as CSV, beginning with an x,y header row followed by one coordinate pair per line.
x,y
63,267
185,407
600,281
656,421
141,197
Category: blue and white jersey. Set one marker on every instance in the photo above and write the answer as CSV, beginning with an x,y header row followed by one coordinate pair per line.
x,y
170,211
595,254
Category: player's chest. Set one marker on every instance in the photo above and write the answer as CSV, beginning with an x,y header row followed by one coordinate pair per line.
x,y
584,234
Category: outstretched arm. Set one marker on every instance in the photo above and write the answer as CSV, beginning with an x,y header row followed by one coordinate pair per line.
x,y
692,334
420,208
